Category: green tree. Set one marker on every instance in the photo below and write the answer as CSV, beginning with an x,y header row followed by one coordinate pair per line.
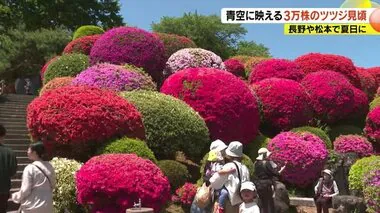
x,y
208,32
251,48
36,14
25,52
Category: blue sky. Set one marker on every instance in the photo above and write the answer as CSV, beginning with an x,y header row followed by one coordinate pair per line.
x,y
363,50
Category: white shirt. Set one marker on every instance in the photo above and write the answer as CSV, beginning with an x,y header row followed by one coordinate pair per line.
x,y
249,208
336,190
36,193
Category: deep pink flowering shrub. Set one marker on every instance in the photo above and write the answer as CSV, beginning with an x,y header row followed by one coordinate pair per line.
x,y
81,45
185,194
113,182
284,102
304,153
361,105
368,82
315,62
375,72
332,96
129,45
223,100
192,57
353,143
276,68
235,67
114,77
44,68
372,127
74,121
372,191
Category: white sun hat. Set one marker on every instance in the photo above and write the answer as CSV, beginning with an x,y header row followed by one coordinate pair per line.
x,y
261,153
218,145
235,149
248,185
327,171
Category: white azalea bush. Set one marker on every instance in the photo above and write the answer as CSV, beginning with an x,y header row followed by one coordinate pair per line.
x,y
64,196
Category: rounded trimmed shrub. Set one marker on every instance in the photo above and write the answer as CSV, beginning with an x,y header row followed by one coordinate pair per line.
x,y
368,82
43,69
353,143
372,127
360,108
284,102
361,168
375,103
56,83
130,45
276,68
315,62
224,101
81,45
173,43
127,145
251,63
261,141
185,194
332,96
170,124
235,67
73,121
317,132
192,57
336,131
375,72
87,30
68,65
114,77
176,172
64,192
372,191
113,182
304,153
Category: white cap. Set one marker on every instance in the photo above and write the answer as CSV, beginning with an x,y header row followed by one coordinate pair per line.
x,y
218,145
261,153
248,185
327,171
235,149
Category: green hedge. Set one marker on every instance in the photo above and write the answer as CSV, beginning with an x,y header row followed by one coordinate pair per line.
x,y
176,172
87,30
360,169
339,130
375,103
252,148
316,131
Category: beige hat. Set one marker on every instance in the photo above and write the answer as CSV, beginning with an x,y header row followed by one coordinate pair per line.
x,y
218,145
248,185
261,153
327,171
235,149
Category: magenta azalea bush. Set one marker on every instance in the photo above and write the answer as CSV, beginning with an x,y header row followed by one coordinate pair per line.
x,y
114,77
130,45
235,67
332,95
185,194
113,182
223,100
304,153
372,128
353,143
276,68
284,103
361,105
368,82
372,191
192,57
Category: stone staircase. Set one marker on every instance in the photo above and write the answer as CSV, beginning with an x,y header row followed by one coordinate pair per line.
x,y
13,117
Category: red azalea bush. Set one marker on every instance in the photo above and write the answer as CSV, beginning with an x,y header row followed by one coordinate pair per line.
x,y
372,128
276,68
235,67
332,95
353,143
361,105
223,100
185,194
315,62
74,121
81,45
173,43
375,72
129,45
105,190
304,153
44,68
368,82
284,102
56,83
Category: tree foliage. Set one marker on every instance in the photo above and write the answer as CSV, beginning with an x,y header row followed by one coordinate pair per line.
x,y
251,48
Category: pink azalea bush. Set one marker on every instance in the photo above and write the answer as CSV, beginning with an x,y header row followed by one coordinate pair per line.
x,y
353,143
192,57
368,82
185,194
105,190
235,67
372,191
284,102
304,153
361,105
224,101
130,45
332,95
276,68
372,128
375,72
114,77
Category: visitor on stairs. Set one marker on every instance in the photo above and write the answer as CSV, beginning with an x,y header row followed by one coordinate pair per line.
x,y
325,189
38,182
248,194
8,168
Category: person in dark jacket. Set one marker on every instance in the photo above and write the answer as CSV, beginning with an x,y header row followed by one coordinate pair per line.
x,y
8,167
265,174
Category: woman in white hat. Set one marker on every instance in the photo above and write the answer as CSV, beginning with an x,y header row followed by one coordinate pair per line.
x,y
325,189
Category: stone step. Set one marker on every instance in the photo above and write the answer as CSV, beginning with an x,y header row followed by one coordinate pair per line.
x,y
18,146
20,153
21,166
23,160
16,183
16,140
18,119
12,115
15,127
302,201
24,136
11,124
13,105
15,109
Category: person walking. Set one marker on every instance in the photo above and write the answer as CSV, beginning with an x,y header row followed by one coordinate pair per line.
x,y
38,182
8,168
325,189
